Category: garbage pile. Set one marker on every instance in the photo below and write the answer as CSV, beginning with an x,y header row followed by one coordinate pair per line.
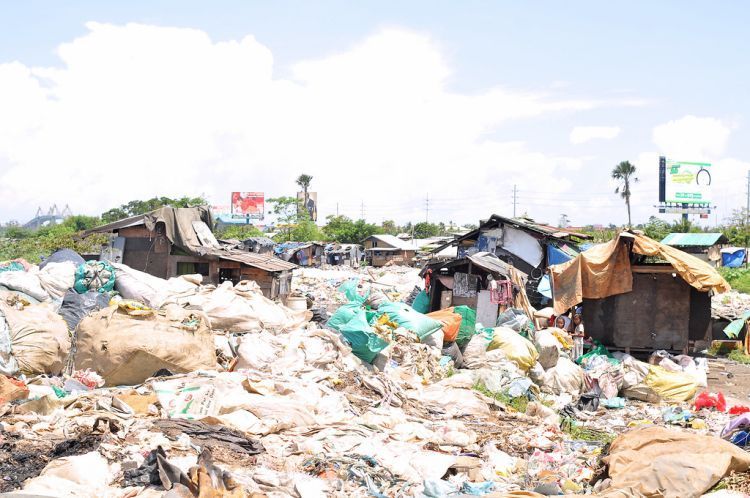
x,y
321,284
140,386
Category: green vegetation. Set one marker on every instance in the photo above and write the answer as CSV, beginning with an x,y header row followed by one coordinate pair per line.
x,y
33,245
239,232
738,356
738,278
343,229
519,404
134,208
625,174
580,433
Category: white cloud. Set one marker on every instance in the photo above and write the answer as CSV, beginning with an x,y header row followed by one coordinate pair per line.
x,y
136,111
692,138
583,134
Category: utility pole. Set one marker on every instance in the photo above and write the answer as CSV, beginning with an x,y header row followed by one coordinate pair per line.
x,y
515,199
337,209
427,208
362,210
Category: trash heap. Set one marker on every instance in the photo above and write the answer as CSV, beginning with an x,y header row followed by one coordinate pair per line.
x,y
139,386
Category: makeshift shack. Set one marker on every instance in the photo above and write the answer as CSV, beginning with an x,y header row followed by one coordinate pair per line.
x,y
301,253
528,246
169,242
639,294
343,254
705,246
464,281
259,245
381,250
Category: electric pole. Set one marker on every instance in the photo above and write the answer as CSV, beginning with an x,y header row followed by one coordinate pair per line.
x,y
337,209
515,199
747,208
427,208
362,210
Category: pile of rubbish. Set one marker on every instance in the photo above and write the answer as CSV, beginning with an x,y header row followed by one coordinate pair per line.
x,y
321,284
117,383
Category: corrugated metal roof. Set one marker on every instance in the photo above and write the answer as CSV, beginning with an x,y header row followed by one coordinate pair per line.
x,y
394,241
263,261
694,239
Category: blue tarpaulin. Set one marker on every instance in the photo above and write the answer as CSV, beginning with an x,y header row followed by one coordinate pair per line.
x,y
555,255
544,287
733,259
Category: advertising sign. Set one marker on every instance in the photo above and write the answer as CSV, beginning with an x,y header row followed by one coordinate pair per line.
x,y
687,182
311,204
248,204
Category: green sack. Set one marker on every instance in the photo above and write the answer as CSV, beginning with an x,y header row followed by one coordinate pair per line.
x,y
94,276
341,316
347,311
365,343
598,349
349,289
407,317
468,324
421,302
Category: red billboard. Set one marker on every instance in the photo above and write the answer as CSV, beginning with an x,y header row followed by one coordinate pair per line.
x,y
249,204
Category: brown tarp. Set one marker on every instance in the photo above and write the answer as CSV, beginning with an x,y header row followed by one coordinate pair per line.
x,y
178,224
605,270
126,348
661,462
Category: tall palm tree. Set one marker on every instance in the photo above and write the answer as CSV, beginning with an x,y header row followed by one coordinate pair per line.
x,y
625,174
304,182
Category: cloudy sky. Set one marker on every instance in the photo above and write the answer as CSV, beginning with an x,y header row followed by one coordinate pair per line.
x,y
386,104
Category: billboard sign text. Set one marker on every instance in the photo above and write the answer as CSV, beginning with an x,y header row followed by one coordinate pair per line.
x,y
685,182
248,204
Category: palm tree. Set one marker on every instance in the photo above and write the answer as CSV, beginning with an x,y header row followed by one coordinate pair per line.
x,y
625,174
304,182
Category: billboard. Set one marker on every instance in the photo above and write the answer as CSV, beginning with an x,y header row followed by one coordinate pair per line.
x,y
684,182
248,204
311,204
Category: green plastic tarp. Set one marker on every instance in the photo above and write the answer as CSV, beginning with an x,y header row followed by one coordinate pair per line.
x,y
468,324
407,317
421,302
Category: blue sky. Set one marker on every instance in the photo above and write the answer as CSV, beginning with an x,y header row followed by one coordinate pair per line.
x,y
632,66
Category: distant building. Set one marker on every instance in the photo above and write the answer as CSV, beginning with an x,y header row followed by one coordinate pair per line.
x,y
706,246
381,250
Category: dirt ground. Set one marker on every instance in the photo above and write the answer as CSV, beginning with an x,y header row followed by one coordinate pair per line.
x,y
731,378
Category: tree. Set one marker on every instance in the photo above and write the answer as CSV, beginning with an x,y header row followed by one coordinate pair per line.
x,y
425,230
656,228
304,182
287,213
137,207
389,227
625,174
82,222
343,229
238,232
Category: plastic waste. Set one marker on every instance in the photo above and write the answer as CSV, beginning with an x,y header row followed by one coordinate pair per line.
x,y
451,323
421,302
94,276
405,316
711,400
516,348
467,329
613,403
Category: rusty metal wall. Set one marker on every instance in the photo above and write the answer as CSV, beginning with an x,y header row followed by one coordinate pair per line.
x,y
662,312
